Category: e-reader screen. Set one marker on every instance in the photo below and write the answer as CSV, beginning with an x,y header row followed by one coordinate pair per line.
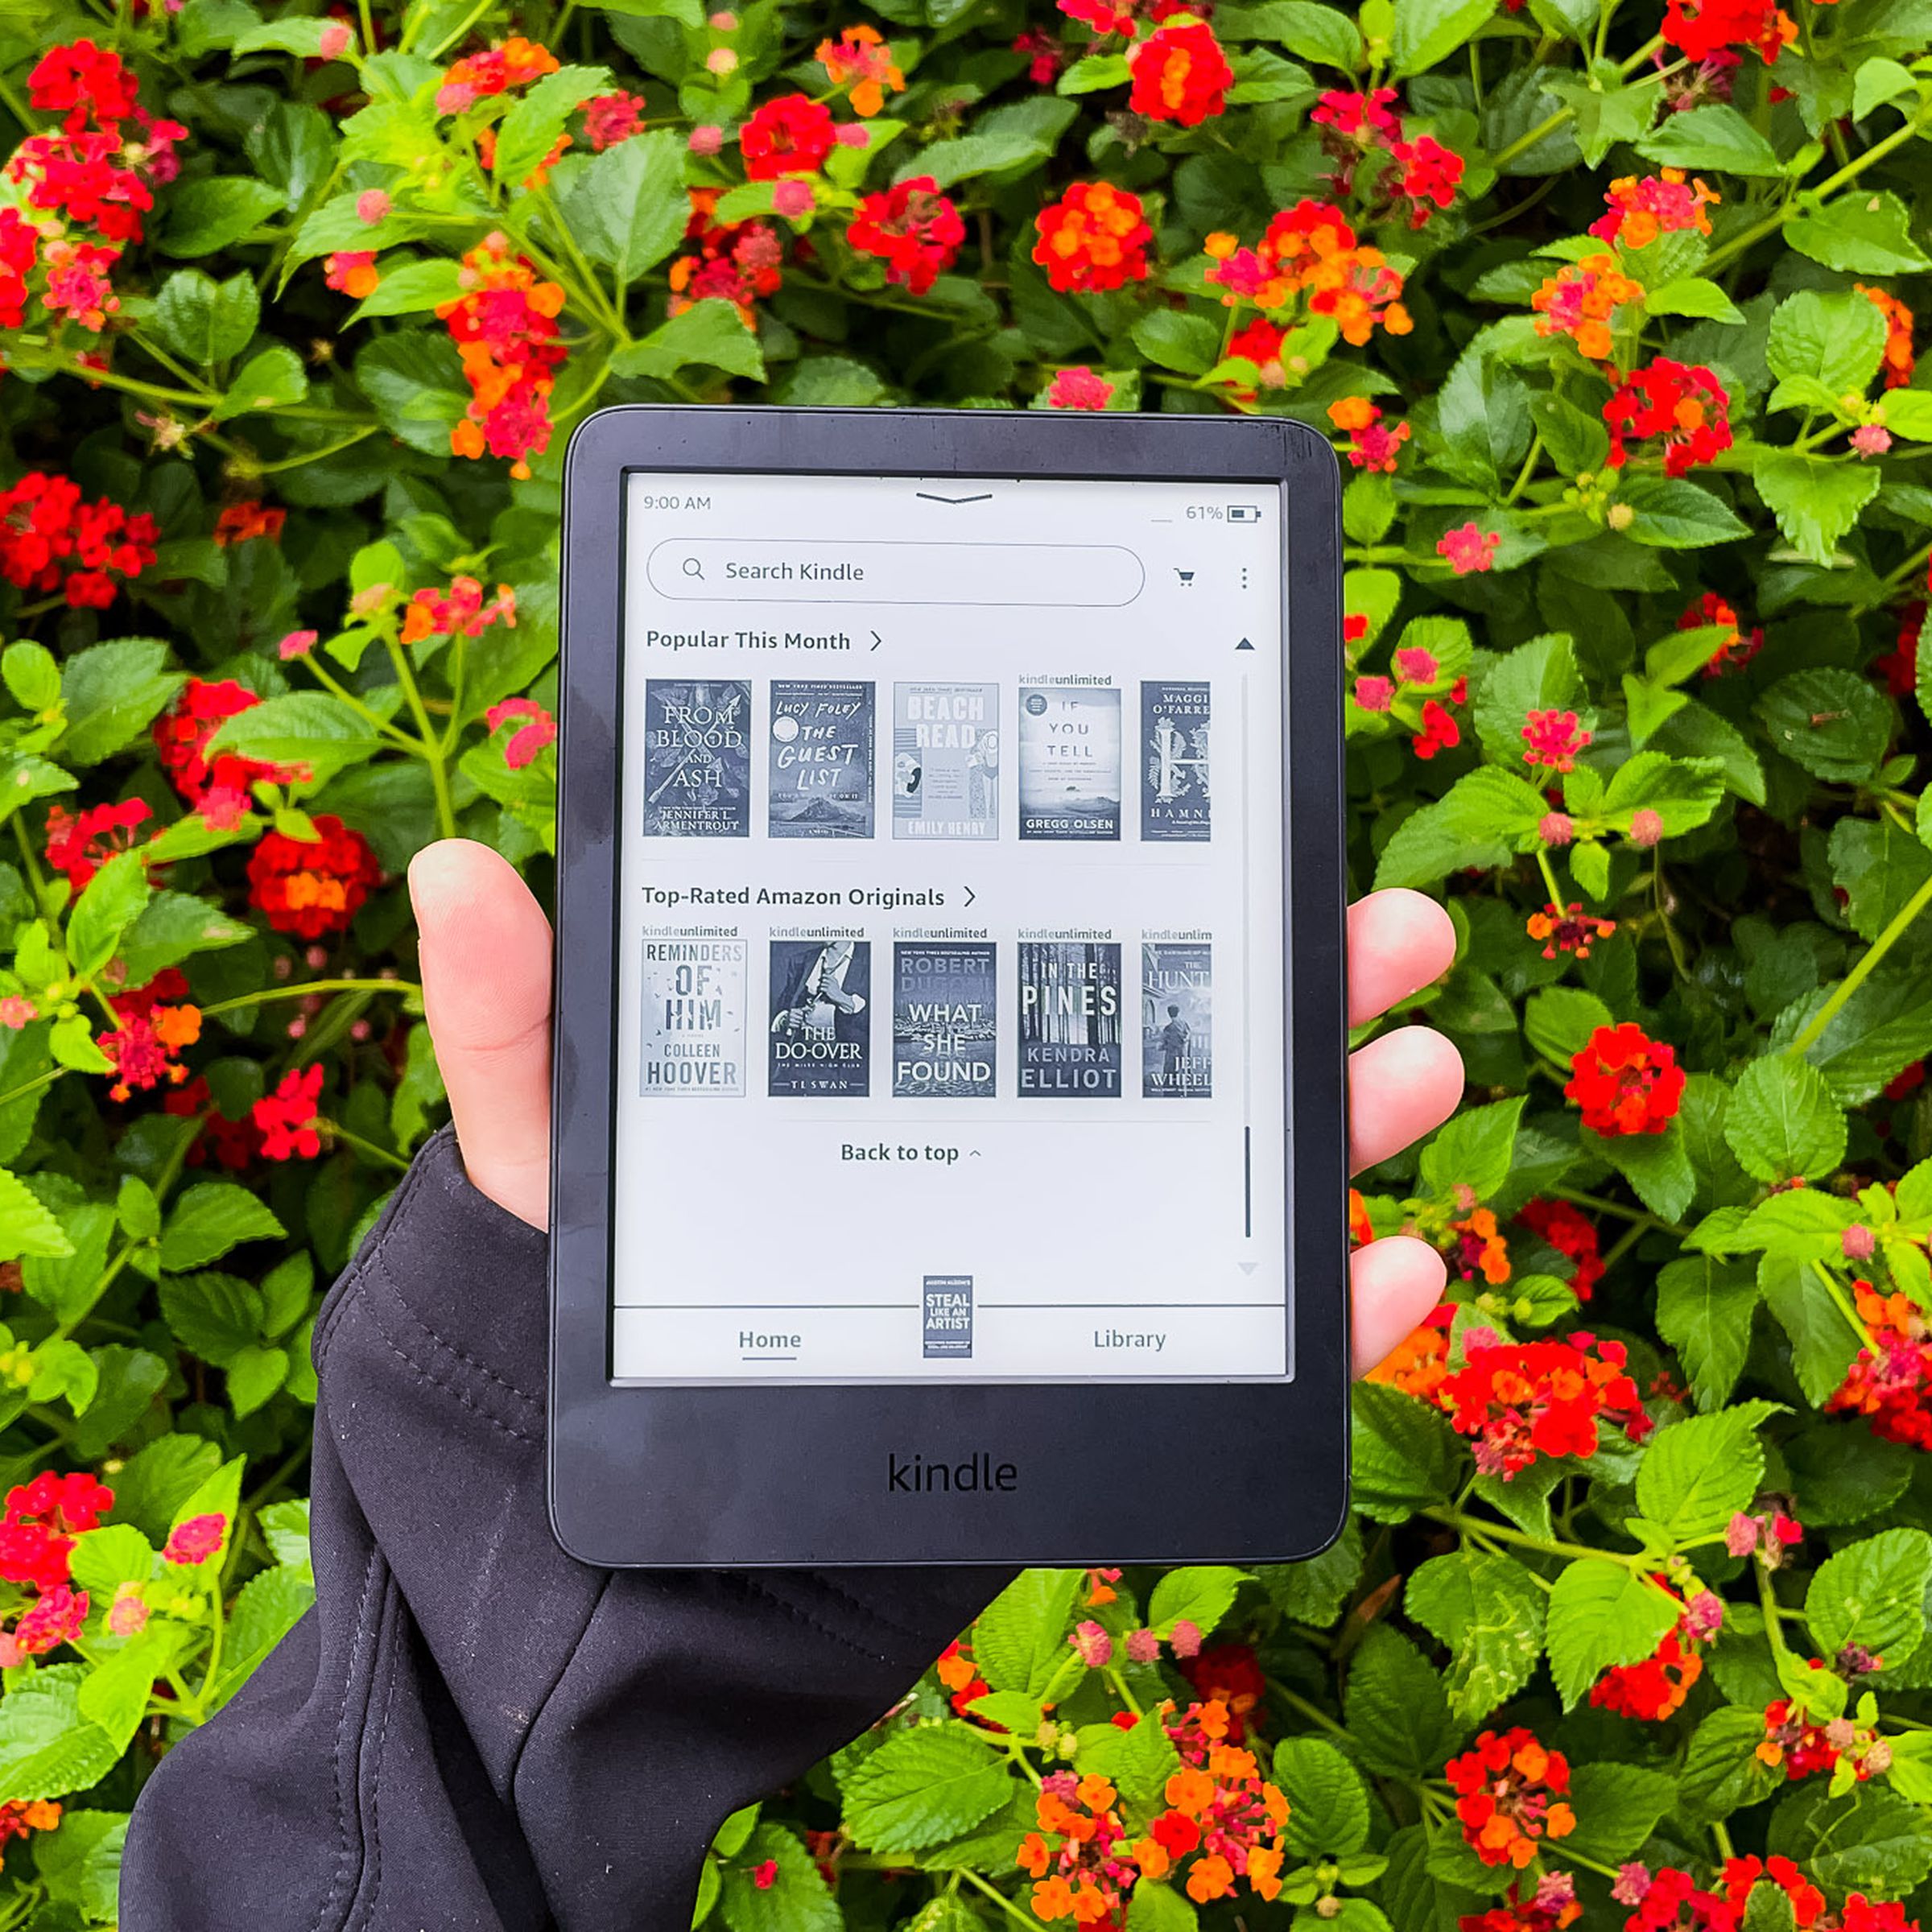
x,y
950,1003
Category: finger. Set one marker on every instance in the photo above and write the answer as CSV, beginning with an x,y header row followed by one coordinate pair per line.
x,y
1399,1087
1392,1283
1398,941
485,952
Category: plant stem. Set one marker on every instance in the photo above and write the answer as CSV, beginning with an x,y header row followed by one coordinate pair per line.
x,y
368,1149
408,987
1502,1533
1857,977
1000,1899
1578,1199
431,746
1314,1714
108,1275
1844,1307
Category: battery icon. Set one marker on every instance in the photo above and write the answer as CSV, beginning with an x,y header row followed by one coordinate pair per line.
x,y
1244,512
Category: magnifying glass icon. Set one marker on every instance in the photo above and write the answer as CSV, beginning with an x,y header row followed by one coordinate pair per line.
x,y
693,568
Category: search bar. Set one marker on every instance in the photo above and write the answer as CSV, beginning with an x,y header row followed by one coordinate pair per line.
x,y
780,570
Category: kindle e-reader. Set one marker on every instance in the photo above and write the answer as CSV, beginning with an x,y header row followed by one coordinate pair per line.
x,y
949,1149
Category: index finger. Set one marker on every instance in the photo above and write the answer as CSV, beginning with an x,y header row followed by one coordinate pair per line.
x,y
1398,941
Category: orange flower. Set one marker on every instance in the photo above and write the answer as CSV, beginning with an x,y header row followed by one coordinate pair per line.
x,y
1642,208
860,56
1264,1871
1508,1789
1581,300
1052,1899
1096,1793
1419,1366
1213,1877
1191,1791
1093,238
1033,1855
1151,1858
1898,334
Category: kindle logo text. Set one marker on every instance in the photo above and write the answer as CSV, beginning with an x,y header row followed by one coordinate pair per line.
x,y
974,1475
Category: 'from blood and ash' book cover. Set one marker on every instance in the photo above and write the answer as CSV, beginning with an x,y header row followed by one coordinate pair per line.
x,y
1070,762
1069,1020
697,759
1177,1036
821,760
694,1017
944,1019
945,761
821,1026
1174,761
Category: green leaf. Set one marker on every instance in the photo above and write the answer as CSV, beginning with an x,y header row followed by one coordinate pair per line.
x,y
529,130
1657,1165
1830,721
1704,1311
1815,499
112,692
1140,1760
711,332
924,1785
1711,137
1176,339
269,1605
210,1219
1327,1803
1482,414
1202,1596
1872,1594
796,1899
1869,1840
629,208
1159,1907
26,1227
1324,35
1783,1123
1473,1148
1485,818
205,216
113,898
1844,1475
173,926
1020,1636
289,36
1406,1458
1822,1341
1489,1611
1878,80
1675,513
205,321
254,1375
215,1316
1007,138
152,1484
1832,337
105,1558
1697,1474
115,1693
415,381
411,288
1600,1615
1617,1807
303,728
80,1864
1693,295
1861,232
47,1749
272,378
1398,1712
1722,1772
1682,792
1428,31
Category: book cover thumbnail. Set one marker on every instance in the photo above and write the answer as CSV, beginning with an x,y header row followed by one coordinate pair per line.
x,y
1173,754
1177,1011
697,759
821,1028
1070,762
945,761
821,759
694,1017
1069,1020
944,1019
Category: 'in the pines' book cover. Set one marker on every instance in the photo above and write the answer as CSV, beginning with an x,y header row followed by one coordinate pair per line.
x,y
1069,1020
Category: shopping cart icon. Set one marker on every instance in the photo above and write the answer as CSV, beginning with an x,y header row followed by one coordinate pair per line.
x,y
1186,576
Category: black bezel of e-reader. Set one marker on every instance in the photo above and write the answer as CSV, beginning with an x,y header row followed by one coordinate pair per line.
x,y
736,1475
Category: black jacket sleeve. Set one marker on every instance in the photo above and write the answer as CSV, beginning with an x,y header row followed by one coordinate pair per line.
x,y
470,1729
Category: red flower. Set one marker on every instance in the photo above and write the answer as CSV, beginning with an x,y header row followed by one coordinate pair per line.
x,y
353,272
1571,1235
240,522
1684,406
51,539
1702,28
609,118
1366,120
1231,1675
498,70
1439,732
1626,1082
1899,360
20,1818
1509,1791
1737,650
84,80
1077,389
735,261
861,58
1045,58
41,1521
1094,237
1890,1381
460,612
233,1143
1670,1900
1426,174
1552,1907
913,228
181,736
56,1618
535,729
1642,208
1554,739
158,1022
1568,929
79,847
1371,445
194,1542
311,886
1655,1687
1523,1400
791,135
1468,547
286,1119
1180,74
504,329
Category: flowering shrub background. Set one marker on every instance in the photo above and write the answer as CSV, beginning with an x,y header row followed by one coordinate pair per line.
x,y
1609,310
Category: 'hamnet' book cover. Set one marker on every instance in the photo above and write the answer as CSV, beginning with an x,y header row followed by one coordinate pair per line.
x,y
1177,1036
694,1017
1070,762
697,759
821,759
1069,1020
1174,761
945,761
944,1019
821,1026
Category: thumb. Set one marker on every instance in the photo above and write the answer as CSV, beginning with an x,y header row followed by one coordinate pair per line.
x,y
485,952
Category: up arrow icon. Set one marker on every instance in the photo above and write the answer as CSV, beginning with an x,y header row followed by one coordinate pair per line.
x,y
1244,645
